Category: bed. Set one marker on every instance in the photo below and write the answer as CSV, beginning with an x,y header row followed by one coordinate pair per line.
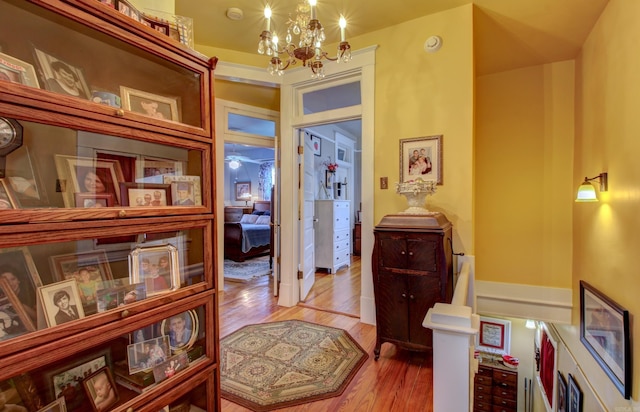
x,y
251,236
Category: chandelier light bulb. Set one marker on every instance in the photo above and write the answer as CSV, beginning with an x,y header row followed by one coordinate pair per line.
x,y
343,25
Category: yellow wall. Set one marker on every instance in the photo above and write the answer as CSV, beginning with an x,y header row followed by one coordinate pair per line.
x,y
421,94
524,171
251,94
607,234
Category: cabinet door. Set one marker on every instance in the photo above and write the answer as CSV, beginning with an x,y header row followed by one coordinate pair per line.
x,y
391,306
424,292
393,252
422,252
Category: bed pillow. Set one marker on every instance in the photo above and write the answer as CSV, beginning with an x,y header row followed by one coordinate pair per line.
x,y
249,218
258,212
263,220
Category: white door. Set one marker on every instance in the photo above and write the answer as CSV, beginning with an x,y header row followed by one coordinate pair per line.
x,y
275,220
307,214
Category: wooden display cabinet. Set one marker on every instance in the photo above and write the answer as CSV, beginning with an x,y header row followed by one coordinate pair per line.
x,y
412,270
93,198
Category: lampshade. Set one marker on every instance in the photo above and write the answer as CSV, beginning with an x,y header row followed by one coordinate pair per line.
x,y
530,324
586,193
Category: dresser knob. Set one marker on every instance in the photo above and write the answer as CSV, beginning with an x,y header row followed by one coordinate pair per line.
x,y
122,213
402,253
404,295
124,313
120,113
410,253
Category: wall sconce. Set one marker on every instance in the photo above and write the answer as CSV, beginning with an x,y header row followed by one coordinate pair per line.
x,y
530,324
586,191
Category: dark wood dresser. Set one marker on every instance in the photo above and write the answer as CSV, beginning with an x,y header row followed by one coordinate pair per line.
x,y
357,239
234,213
412,270
495,387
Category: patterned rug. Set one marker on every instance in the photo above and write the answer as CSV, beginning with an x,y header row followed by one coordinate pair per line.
x,y
279,364
247,270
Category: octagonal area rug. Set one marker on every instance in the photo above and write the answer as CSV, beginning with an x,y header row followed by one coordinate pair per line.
x,y
274,365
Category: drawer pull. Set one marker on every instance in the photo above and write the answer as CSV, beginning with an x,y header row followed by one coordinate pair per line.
x,y
124,313
120,113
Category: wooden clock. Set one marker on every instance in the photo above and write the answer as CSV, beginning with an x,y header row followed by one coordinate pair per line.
x,y
10,139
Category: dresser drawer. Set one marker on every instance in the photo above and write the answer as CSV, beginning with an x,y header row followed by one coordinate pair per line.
x,y
481,406
497,408
485,371
482,397
508,404
340,235
342,257
505,378
505,393
483,380
486,390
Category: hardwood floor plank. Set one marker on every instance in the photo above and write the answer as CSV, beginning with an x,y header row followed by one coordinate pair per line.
x,y
399,381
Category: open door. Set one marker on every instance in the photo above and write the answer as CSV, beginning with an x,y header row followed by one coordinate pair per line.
x,y
307,216
275,221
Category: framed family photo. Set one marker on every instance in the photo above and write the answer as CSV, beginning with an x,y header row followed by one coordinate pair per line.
x,y
91,200
111,297
149,104
14,321
421,157
154,171
143,356
494,335
604,331
155,266
62,77
88,175
17,71
19,270
61,302
145,194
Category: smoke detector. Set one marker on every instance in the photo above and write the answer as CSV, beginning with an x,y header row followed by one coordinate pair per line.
x,y
234,13
433,44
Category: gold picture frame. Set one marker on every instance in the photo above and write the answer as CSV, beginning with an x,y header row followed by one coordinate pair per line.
x,y
421,157
157,267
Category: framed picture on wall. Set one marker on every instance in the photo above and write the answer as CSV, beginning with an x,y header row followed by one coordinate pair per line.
x,y
494,335
316,145
243,191
421,157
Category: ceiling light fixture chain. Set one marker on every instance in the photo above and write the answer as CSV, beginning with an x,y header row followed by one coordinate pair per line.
x,y
308,48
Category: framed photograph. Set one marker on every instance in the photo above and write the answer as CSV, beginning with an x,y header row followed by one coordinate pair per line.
x,y
66,381
90,200
185,190
117,296
148,104
145,194
14,321
170,367
157,267
17,71
147,333
562,393
59,405
548,373
143,356
6,197
19,270
25,180
243,191
182,330
62,77
61,302
88,269
421,157
494,335
316,144
88,175
574,400
109,3
604,330
100,388
154,171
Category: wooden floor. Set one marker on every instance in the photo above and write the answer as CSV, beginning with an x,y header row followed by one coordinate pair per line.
x,y
398,381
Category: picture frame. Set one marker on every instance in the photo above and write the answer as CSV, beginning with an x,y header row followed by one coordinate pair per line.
x,y
316,144
413,150
7,201
182,330
9,389
242,189
149,104
185,190
547,376
22,390
157,267
55,293
561,401
154,171
101,390
494,335
24,179
88,269
169,368
145,194
14,321
143,356
117,296
17,261
574,400
62,77
73,171
94,200
71,375
18,71
604,331
58,405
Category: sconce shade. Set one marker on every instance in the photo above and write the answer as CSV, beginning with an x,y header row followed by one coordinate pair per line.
x,y
586,193
530,324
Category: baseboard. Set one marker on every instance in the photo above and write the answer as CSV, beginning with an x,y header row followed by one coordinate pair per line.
x,y
524,301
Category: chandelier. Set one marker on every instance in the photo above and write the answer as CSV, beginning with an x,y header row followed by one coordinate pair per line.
x,y
308,47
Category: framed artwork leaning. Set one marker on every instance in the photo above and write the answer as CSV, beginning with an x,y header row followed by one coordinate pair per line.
x,y
17,71
155,266
19,270
149,104
62,77
145,194
88,175
61,302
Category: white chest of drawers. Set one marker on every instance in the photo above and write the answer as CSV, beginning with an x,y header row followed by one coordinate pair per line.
x,y
333,234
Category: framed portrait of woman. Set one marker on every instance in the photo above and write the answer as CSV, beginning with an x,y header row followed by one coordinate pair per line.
x,y
88,175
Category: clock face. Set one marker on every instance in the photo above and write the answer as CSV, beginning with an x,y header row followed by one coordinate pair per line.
x,y
10,135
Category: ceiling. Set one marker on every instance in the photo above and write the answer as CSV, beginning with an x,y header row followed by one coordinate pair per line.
x,y
508,33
